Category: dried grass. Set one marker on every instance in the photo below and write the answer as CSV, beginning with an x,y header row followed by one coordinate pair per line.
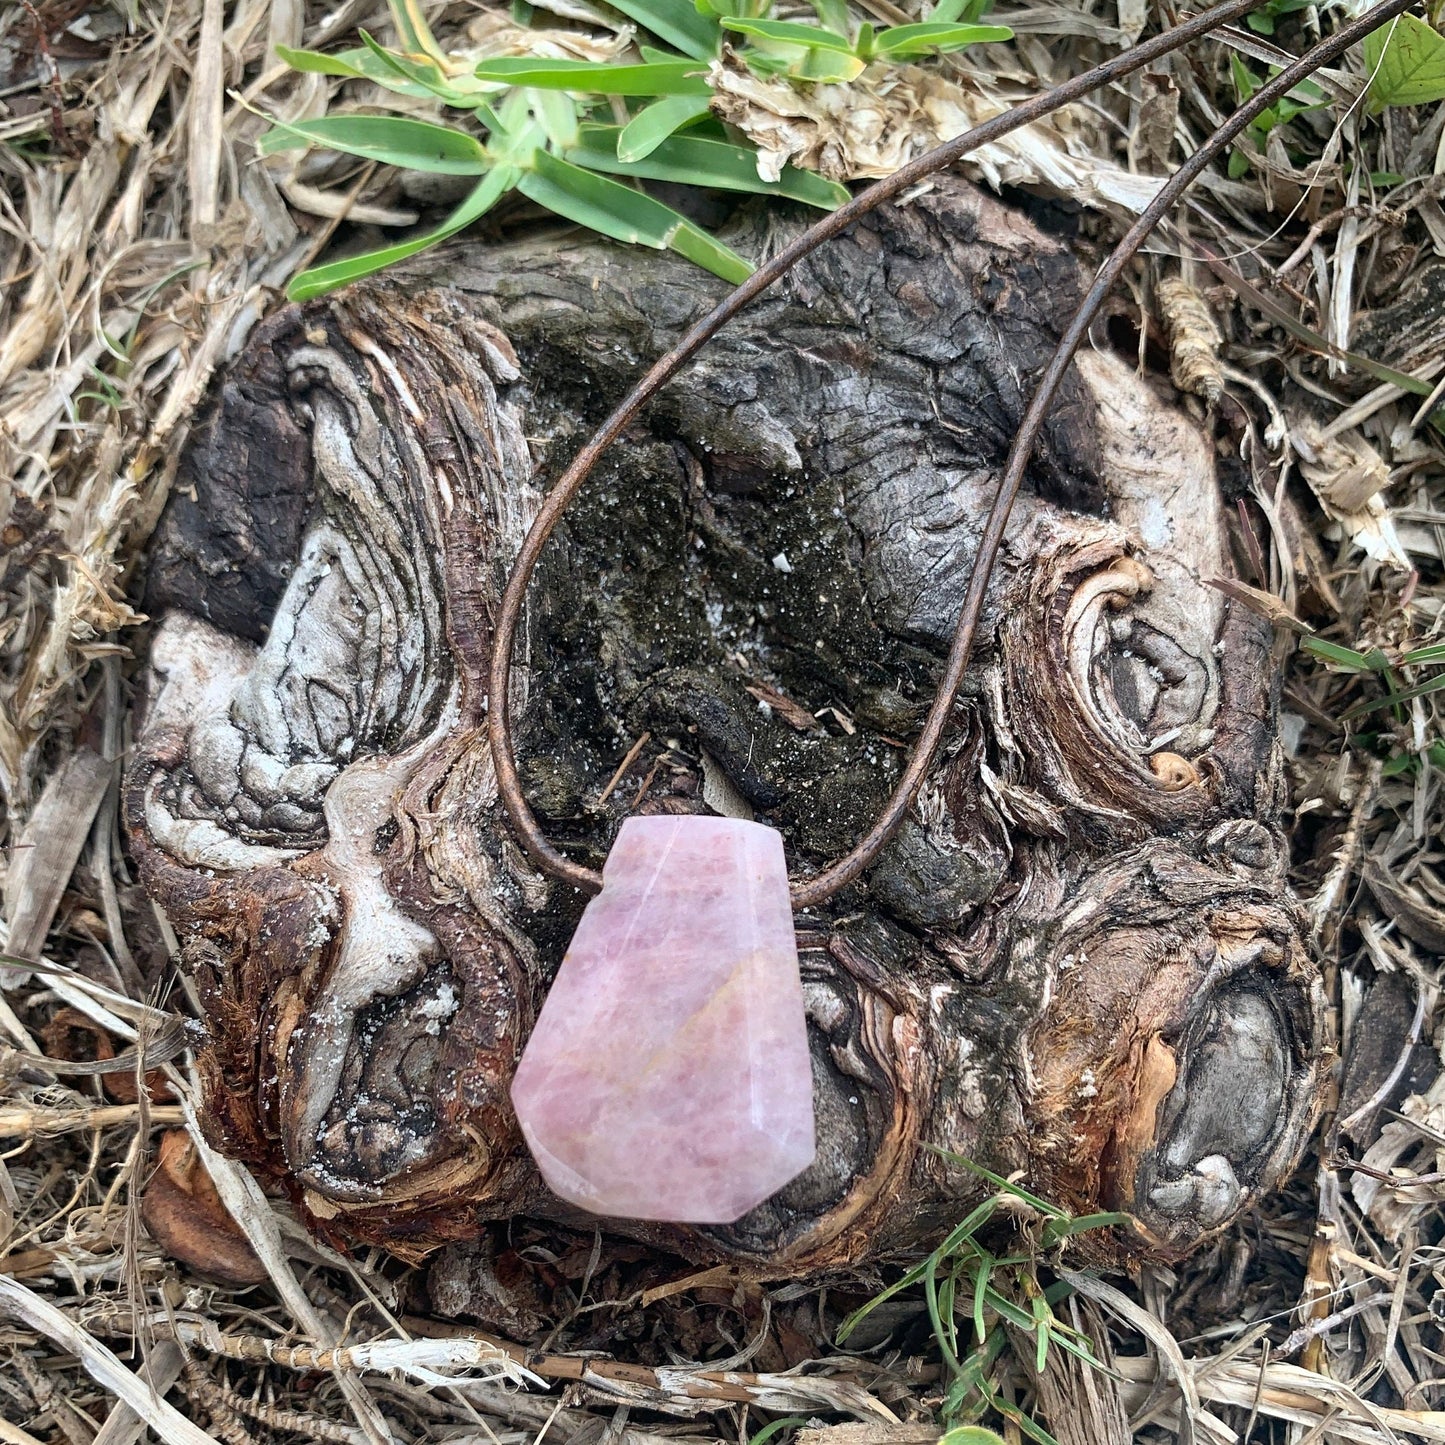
x,y
139,240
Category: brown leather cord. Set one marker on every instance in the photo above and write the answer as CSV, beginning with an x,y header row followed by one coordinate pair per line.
x,y
809,892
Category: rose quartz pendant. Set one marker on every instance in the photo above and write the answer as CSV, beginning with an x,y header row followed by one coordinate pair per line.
x,y
668,1076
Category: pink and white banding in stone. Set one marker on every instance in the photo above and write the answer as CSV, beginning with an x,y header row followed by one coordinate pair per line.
x,y
668,1076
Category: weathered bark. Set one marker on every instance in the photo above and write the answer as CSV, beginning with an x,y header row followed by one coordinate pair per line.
x,y
1079,958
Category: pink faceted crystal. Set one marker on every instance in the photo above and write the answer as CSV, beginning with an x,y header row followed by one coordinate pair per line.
x,y
668,1076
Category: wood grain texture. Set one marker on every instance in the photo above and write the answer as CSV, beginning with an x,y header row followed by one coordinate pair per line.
x,y
1079,958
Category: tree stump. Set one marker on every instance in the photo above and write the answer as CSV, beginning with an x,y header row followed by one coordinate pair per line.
x,y
1079,959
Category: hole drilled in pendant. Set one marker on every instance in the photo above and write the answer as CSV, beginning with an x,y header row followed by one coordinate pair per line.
x,y
668,1075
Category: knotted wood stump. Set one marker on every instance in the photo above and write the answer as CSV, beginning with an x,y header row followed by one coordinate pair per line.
x,y
1079,959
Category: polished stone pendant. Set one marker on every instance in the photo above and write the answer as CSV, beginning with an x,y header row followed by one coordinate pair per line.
x,y
668,1076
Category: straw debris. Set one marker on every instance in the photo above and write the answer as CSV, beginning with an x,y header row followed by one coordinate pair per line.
x,y
141,240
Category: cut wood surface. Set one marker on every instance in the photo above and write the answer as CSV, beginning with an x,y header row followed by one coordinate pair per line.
x,y
1079,960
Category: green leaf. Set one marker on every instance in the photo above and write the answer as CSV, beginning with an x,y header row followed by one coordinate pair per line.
x,y
806,52
321,279
1039,1307
676,22
695,161
1406,61
832,14
416,145
1058,1229
1435,652
950,12
615,210
1026,1423
388,67
970,1435
787,32
1345,657
413,30
1405,762
741,9
1391,698
821,66
556,114
671,77
654,123
313,62
773,1427
903,40
943,1331
1051,1211
947,1300
980,1294
359,64
509,121
1245,80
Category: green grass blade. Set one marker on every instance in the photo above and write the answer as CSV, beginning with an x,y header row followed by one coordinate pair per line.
x,y
412,28
1345,657
615,210
1059,1229
511,129
361,64
1393,697
832,15
1006,1309
387,67
773,1427
826,66
787,32
1039,1308
313,62
1080,1349
696,161
1434,653
557,115
942,1331
655,123
710,253
959,1235
980,1293
1030,1427
675,21
976,1368
321,279
662,77
900,41
907,1281
416,145
947,1301
1052,1211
